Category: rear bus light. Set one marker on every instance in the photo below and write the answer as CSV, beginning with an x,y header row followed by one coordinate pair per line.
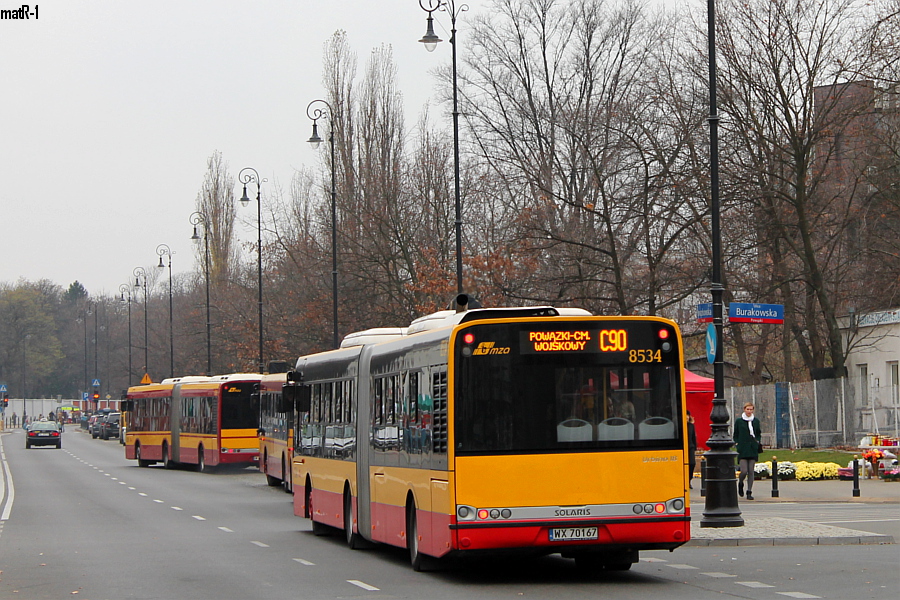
x,y
674,506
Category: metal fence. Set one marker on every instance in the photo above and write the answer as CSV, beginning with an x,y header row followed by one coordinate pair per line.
x,y
824,413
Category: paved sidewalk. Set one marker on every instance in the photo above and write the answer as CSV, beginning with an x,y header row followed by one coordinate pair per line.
x,y
777,531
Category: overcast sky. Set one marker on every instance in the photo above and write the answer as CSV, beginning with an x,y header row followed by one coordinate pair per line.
x,y
109,110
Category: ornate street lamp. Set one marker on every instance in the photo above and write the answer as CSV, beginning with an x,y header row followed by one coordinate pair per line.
x,y
250,175
140,280
126,296
721,508
198,218
319,112
430,40
164,250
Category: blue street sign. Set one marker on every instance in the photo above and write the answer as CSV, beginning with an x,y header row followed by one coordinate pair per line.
x,y
95,383
739,312
84,396
704,312
711,343
3,388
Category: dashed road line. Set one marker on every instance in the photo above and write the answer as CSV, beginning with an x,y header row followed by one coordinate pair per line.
x,y
754,584
226,530
364,586
305,562
682,567
199,518
177,508
158,501
260,544
718,575
797,595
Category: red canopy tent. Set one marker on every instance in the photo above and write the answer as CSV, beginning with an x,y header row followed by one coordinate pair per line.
x,y
700,392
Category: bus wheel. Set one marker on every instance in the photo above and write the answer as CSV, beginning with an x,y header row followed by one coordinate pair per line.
x,y
167,462
137,455
416,558
354,540
270,481
317,528
201,461
286,477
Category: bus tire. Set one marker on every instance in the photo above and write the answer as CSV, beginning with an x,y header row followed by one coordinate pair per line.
x,y
137,455
286,477
354,540
416,558
319,529
270,481
201,461
167,462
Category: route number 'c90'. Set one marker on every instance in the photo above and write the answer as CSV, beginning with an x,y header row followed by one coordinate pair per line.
x,y
613,340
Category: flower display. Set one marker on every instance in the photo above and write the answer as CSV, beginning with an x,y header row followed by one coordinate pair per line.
x,y
762,469
873,455
807,471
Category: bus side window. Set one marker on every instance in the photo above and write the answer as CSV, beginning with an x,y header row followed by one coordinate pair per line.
x,y
413,398
378,404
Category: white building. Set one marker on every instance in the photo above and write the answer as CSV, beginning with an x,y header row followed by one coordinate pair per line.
x,y
873,366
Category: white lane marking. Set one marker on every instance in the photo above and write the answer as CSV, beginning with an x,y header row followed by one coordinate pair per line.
x,y
754,584
226,530
718,575
199,518
260,544
364,586
797,595
114,478
305,562
653,560
158,501
10,487
177,508
856,521
142,494
682,567
130,488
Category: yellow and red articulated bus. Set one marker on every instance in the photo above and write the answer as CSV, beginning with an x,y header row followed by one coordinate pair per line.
x,y
275,431
202,421
536,430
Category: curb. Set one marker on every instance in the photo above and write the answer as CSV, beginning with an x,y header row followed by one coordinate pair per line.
x,y
816,541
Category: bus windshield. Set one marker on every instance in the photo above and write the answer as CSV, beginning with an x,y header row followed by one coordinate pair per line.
x,y
240,407
567,388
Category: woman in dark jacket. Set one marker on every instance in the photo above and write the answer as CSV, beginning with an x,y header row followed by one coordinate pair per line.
x,y
748,439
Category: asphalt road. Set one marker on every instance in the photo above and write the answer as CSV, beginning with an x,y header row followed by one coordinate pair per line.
x,y
86,523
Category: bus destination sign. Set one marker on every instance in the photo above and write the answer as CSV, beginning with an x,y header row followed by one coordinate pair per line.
x,y
575,340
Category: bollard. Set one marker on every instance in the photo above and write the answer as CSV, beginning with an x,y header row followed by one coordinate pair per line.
x,y
775,477
702,476
855,476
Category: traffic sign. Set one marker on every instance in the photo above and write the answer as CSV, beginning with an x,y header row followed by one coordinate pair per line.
x,y
711,343
739,312
3,388
146,379
95,383
85,396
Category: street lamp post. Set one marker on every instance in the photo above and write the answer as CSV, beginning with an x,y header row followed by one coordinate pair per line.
x,y
721,508
250,175
126,295
164,250
315,114
431,40
140,280
198,218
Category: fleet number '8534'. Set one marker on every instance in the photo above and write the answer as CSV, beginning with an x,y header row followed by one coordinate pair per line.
x,y
644,356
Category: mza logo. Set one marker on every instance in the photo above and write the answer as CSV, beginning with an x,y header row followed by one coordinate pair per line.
x,y
485,348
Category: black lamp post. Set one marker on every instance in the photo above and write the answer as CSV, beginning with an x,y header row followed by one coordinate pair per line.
x,y
140,280
198,218
431,40
315,114
126,295
164,250
250,175
721,508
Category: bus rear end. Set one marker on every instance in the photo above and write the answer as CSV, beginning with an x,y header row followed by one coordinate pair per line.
x,y
568,436
239,419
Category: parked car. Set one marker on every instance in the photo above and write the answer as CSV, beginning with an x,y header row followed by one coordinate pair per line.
x,y
94,425
43,433
109,426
